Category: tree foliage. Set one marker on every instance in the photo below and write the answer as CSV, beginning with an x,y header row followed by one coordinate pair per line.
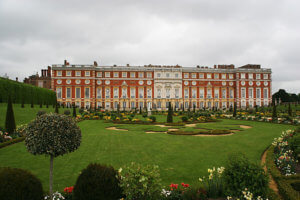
x,y
10,124
170,114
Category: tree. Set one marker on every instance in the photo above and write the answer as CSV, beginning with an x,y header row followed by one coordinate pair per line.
x,y
10,124
234,110
290,110
74,111
52,135
274,113
56,109
31,103
170,114
194,108
22,101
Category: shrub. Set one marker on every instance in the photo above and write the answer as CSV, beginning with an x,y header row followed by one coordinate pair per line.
x,y
40,112
153,118
67,112
19,184
97,182
140,182
214,184
170,114
80,110
10,124
195,194
240,174
184,118
144,115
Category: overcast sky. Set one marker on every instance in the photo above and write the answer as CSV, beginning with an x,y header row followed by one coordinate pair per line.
x,y
38,33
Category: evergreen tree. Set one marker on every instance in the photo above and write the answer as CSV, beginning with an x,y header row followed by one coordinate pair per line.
x,y
290,110
47,106
234,110
22,103
170,114
194,108
140,109
256,109
10,124
56,109
41,104
274,113
74,111
31,103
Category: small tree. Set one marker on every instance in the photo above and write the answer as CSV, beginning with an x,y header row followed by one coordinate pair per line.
x,y
10,124
31,103
194,108
234,110
74,111
170,114
22,102
41,104
54,135
290,110
274,113
56,109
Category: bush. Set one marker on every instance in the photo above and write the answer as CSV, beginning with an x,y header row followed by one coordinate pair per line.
x,y
240,174
153,118
97,182
140,182
19,184
80,110
184,118
67,112
40,112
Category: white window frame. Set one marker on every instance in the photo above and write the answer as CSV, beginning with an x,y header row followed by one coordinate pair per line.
x,y
58,73
87,73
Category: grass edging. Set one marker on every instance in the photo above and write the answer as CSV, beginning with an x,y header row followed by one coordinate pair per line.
x,y
10,142
283,182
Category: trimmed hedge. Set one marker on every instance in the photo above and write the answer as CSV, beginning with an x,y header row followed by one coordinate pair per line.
x,y
13,141
25,93
283,182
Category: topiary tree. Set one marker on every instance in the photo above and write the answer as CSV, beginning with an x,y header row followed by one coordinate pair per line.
x,y
97,182
74,111
274,113
53,135
67,112
19,184
170,114
10,124
56,109
234,110
290,110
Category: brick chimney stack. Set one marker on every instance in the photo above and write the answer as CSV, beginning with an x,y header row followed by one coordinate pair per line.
x,y
95,64
17,79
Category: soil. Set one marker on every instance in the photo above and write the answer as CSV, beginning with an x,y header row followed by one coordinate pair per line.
x,y
163,126
155,132
115,129
209,135
190,125
245,127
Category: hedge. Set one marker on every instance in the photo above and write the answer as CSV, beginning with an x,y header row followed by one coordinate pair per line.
x,y
24,92
13,141
283,182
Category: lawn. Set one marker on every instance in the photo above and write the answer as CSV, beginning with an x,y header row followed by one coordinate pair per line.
x,y
180,158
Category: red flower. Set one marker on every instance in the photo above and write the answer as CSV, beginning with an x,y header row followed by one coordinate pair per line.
x,y
69,189
185,185
173,186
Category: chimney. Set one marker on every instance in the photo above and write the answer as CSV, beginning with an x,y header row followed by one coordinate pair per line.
x,y
49,71
215,66
127,65
198,66
95,64
65,62
17,79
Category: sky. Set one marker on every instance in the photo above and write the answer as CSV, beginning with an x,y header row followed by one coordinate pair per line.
x,y
35,34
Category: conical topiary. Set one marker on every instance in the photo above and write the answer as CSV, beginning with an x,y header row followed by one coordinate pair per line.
x,y
10,124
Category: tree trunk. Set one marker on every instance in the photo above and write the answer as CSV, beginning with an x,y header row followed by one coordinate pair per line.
x,y
51,177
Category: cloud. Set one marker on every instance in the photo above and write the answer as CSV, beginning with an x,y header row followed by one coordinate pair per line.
x,y
35,34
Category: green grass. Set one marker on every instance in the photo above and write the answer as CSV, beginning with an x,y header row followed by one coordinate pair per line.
x,y
25,115
180,158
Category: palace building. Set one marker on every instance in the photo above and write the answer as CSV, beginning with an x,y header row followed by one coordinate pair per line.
x,y
155,86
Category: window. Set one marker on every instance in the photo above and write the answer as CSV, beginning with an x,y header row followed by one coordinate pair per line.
x,y
224,104
116,74
116,105
124,74
266,93
78,73
149,75
176,93
158,93
250,93
87,92
107,74
231,93
141,74
124,92
176,75
257,76
158,104
167,104
209,104
201,92
149,93
230,76
223,93
58,93
216,93
68,73
186,75
68,91
132,104
216,76
107,105
124,104
107,93
208,76
58,73
141,92
201,104
132,92
77,104
141,105
194,91
158,75
116,92
176,104
209,93
77,93
99,74
99,93
243,93
201,75
87,105
243,76
223,76
250,76
265,76
216,104
186,104
87,73
167,93
186,93
132,74
193,75
167,75
258,93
